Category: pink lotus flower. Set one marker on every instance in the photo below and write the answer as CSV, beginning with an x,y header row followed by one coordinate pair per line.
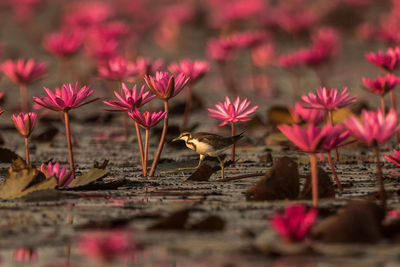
x,y
65,98
389,61
129,99
310,139
374,127
165,85
23,72
263,55
295,223
118,69
329,99
101,50
395,159
63,176
146,66
381,85
84,15
147,119
195,70
290,61
335,137
25,255
107,246
63,44
250,39
221,50
235,112
24,122
301,114
326,39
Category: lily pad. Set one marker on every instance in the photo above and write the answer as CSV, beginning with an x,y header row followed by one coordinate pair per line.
x,y
88,177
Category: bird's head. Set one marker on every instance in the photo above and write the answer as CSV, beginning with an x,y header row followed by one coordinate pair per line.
x,y
183,136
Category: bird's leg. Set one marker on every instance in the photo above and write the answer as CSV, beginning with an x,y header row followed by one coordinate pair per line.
x,y
221,163
189,168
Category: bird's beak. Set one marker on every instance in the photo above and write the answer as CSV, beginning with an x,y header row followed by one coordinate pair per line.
x,y
175,139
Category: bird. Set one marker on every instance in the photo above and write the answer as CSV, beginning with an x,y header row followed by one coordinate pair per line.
x,y
207,144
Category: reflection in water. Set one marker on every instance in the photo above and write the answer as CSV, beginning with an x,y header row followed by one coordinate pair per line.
x,y
25,255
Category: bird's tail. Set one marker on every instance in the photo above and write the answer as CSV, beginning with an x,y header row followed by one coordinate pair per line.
x,y
237,137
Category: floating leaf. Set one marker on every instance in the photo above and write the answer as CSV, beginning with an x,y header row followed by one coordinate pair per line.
x,y
23,179
326,189
280,182
87,178
8,156
201,174
174,221
210,223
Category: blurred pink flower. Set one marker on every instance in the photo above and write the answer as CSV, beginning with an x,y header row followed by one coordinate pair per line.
x,y
232,112
329,99
301,114
107,246
24,71
25,255
394,158
250,39
65,98
118,69
195,70
221,50
310,139
291,60
83,15
393,213
263,55
130,99
165,85
335,137
63,44
101,50
381,85
295,223
63,176
374,127
326,39
147,66
24,122
388,61
147,119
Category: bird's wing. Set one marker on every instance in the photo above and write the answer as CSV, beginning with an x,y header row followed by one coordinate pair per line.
x,y
216,141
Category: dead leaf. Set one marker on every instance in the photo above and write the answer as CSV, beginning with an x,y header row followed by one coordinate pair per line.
x,y
201,174
23,179
87,178
210,223
326,189
280,182
174,221
8,156
279,115
358,222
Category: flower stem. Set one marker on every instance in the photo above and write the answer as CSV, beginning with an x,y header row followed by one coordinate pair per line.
x,y
24,98
394,106
233,145
161,144
382,193
70,154
139,137
339,185
146,149
330,118
188,106
314,179
26,151
383,105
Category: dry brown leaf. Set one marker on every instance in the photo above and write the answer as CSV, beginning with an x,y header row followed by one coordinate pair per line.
x,y
88,177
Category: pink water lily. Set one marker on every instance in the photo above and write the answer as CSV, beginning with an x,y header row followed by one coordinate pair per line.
x,y
146,66
64,177
395,159
63,44
301,114
66,98
232,112
329,99
295,223
25,255
195,70
164,85
147,119
388,60
24,71
130,98
381,85
24,122
118,69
